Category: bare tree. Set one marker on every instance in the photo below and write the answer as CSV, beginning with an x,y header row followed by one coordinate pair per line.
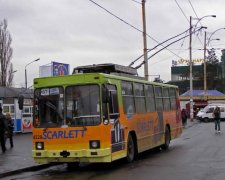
x,y
10,76
6,51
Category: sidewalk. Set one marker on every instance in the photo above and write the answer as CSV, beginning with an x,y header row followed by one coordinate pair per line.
x,y
19,158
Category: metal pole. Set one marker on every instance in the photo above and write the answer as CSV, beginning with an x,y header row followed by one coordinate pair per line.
x,y
191,79
25,77
145,41
26,70
205,75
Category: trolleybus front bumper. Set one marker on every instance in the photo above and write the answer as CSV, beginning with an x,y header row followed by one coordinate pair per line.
x,y
86,155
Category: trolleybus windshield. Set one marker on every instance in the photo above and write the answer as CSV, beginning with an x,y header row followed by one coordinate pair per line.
x,y
48,107
82,105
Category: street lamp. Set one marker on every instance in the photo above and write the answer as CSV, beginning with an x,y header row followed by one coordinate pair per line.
x,y
199,19
190,54
217,39
26,70
213,34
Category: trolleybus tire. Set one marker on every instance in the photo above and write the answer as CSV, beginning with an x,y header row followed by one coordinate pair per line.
x,y
130,149
167,139
206,119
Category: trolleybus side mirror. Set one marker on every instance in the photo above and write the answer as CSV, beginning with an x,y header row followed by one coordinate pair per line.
x,y
20,101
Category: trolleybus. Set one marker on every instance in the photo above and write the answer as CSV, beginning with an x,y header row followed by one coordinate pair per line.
x,y
102,113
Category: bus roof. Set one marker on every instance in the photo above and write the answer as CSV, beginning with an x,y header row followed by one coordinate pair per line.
x,y
107,68
89,78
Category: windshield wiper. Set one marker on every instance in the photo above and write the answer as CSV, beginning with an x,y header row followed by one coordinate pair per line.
x,y
52,106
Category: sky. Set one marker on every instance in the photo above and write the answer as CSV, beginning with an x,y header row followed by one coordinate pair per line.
x,y
82,33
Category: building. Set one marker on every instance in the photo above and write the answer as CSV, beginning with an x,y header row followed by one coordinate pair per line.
x,y
180,76
9,102
215,75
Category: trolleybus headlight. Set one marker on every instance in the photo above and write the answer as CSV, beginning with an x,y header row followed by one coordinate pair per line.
x,y
39,145
94,144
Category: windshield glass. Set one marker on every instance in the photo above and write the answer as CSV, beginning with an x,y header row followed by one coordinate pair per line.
x,y
48,107
82,105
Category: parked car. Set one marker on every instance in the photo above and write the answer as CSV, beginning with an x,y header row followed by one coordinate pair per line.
x,y
206,114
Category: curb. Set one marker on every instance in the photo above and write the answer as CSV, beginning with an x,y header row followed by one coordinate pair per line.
x,y
31,168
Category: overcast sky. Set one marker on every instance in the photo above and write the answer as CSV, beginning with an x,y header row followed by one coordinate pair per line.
x,y
81,33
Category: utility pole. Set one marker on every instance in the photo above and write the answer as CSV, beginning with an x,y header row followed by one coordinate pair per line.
x,y
205,75
191,78
191,63
145,41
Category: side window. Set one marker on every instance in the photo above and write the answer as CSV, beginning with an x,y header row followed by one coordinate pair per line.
x,y
172,94
159,98
221,109
139,98
12,109
128,98
150,98
5,108
113,101
210,110
26,109
166,99
8,108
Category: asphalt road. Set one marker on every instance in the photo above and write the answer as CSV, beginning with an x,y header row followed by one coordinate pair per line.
x,y
199,154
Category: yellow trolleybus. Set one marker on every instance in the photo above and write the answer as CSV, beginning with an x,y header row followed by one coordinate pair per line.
x,y
102,113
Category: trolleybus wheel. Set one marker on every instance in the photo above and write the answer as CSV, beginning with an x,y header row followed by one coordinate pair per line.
x,y
206,119
130,149
167,139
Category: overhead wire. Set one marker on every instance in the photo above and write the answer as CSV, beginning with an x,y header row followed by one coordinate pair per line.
x,y
165,59
182,10
157,46
197,18
137,67
136,1
182,43
194,10
117,17
186,16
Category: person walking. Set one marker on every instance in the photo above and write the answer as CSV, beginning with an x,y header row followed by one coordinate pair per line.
x,y
184,117
10,128
3,127
216,114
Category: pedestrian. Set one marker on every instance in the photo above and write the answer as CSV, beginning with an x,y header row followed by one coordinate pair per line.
x,y
10,128
216,114
184,117
3,127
